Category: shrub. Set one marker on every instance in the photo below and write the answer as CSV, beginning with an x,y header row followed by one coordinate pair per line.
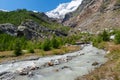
x,y
117,38
46,45
97,40
55,42
17,50
105,36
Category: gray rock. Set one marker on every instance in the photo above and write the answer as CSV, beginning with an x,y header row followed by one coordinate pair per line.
x,y
32,30
8,28
30,74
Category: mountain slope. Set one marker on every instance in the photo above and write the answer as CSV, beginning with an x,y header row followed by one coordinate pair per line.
x,y
64,8
30,24
94,15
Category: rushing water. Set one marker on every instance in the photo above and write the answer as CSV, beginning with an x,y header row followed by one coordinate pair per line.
x,y
62,67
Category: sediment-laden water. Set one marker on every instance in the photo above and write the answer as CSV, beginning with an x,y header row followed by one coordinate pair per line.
x,y
60,67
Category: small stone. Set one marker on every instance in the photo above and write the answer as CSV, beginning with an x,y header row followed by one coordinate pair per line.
x,y
69,58
56,70
95,64
97,52
30,74
32,68
82,54
50,64
56,62
64,67
23,73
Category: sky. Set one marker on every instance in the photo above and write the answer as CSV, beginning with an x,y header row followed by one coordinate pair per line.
x,y
37,5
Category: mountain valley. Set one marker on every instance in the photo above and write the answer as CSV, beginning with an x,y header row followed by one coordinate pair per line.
x,y
80,39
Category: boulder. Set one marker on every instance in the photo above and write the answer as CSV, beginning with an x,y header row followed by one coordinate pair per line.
x,y
22,71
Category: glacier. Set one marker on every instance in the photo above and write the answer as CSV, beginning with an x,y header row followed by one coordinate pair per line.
x,y
63,9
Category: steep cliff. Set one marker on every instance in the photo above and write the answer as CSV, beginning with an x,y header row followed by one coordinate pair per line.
x,y
94,16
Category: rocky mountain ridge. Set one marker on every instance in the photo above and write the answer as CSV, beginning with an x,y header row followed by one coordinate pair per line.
x,y
94,16
29,24
29,29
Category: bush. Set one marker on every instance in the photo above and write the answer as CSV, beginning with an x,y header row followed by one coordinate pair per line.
x,y
97,40
117,38
55,43
18,50
8,42
105,36
46,45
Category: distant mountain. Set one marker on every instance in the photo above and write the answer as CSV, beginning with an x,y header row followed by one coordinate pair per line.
x,y
63,9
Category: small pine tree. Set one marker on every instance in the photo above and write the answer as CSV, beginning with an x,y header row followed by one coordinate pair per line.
x,y
55,43
46,45
17,50
105,36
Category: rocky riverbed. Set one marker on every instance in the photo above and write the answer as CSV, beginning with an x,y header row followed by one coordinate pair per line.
x,y
60,67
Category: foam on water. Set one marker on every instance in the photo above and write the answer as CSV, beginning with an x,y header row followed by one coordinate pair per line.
x,y
79,65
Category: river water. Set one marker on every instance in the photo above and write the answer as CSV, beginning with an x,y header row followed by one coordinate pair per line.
x,y
60,67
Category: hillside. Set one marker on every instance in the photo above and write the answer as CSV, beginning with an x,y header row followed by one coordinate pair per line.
x,y
94,16
30,24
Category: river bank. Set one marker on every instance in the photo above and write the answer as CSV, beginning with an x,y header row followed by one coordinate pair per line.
x,y
6,56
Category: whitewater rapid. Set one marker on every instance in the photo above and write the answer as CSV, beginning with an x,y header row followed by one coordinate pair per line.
x,y
60,67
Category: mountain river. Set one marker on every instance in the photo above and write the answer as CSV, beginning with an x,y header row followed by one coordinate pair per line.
x,y
58,67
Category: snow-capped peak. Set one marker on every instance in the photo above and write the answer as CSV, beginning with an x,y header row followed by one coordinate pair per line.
x,y
4,10
63,9
35,11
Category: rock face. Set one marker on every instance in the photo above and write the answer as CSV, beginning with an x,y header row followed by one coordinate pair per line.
x,y
94,15
8,28
30,29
